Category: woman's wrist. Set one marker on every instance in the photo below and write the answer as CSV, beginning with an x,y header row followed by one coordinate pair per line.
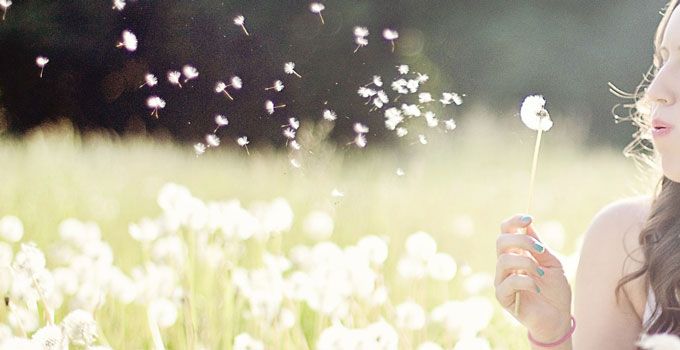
x,y
558,336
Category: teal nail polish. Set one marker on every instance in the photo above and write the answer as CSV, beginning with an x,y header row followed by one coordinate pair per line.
x,y
541,272
539,248
526,218
538,290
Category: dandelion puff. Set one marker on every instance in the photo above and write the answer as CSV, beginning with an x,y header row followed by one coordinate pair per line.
x,y
401,132
50,338
329,115
5,4
80,327
189,72
317,7
150,80
199,148
450,124
118,5
155,103
240,21
244,341
129,41
41,61
534,115
278,86
422,139
289,68
173,78
390,35
270,107
11,229
212,140
243,142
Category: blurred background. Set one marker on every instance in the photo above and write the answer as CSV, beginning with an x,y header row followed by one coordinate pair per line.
x,y
494,53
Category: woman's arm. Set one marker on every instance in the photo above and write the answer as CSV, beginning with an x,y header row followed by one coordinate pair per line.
x,y
602,323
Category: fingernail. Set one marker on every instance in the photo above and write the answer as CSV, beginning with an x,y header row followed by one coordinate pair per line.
x,y
539,248
526,218
538,290
541,272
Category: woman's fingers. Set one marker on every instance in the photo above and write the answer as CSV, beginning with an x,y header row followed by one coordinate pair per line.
x,y
508,242
505,291
507,264
514,223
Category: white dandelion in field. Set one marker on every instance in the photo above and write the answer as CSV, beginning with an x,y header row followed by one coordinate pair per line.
x,y
50,338
429,346
129,41
400,172
5,4
243,142
118,5
421,245
318,225
329,115
450,124
244,341
401,132
190,72
199,148
295,145
661,341
410,316
80,327
390,35
212,140
534,115
425,97
11,229
403,69
289,68
270,106
442,267
317,7
173,78
337,193
41,61
278,86
360,140
422,139
240,21
431,120
150,80
163,311
155,103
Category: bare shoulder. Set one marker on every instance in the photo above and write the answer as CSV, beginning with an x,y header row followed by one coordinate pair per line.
x,y
622,215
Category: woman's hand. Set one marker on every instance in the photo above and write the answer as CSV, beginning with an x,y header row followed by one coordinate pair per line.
x,y
525,265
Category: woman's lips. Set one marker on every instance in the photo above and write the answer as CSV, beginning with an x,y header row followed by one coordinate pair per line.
x,y
660,128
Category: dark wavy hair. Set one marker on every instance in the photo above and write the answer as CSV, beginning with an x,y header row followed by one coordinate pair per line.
x,y
659,238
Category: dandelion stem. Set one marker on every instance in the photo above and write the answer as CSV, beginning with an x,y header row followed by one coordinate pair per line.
x,y
41,71
297,75
226,93
322,21
48,313
244,29
357,49
534,163
155,333
392,41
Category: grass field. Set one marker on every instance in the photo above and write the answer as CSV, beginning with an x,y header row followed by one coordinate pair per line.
x,y
457,188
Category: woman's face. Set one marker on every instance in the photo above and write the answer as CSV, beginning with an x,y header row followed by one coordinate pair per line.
x,y
664,93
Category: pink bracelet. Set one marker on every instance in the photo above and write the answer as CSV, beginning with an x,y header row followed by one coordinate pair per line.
x,y
550,345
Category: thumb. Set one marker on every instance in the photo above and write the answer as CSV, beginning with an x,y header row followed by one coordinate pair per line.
x,y
545,258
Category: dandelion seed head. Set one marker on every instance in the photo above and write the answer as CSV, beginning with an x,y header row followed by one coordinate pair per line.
x,y
318,225
278,85
269,106
41,61
154,102
289,68
360,128
421,245
189,72
329,115
533,113
242,141
360,31
221,120
410,316
442,267
150,79
118,5
11,229
80,327
212,140
163,311
236,82
199,148
5,4
390,34
316,7
129,40
401,132
403,69
50,338
173,77
219,87
239,20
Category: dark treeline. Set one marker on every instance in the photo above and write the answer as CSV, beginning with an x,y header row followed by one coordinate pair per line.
x,y
495,52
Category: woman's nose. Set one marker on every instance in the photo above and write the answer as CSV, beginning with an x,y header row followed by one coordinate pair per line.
x,y
662,90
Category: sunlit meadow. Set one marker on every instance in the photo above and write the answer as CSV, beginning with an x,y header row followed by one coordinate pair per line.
x,y
159,248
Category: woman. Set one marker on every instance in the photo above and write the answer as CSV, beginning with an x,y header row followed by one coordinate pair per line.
x,y
629,270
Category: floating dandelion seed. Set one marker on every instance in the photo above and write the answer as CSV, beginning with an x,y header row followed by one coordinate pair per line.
x,y
221,120
425,97
129,41
377,81
41,62
212,140
449,97
289,68
366,92
534,115
5,4
403,69
390,35
360,34
270,107
155,103
399,86
360,31
430,119
243,142
199,148
294,123
189,73
360,128
450,124
401,132
278,86
149,80
289,133
173,78
294,162
423,78
412,85
337,193
329,115
410,110
361,42
118,5
294,145
317,7
422,139
221,87
381,99
360,140
240,21
400,172
393,117
236,83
